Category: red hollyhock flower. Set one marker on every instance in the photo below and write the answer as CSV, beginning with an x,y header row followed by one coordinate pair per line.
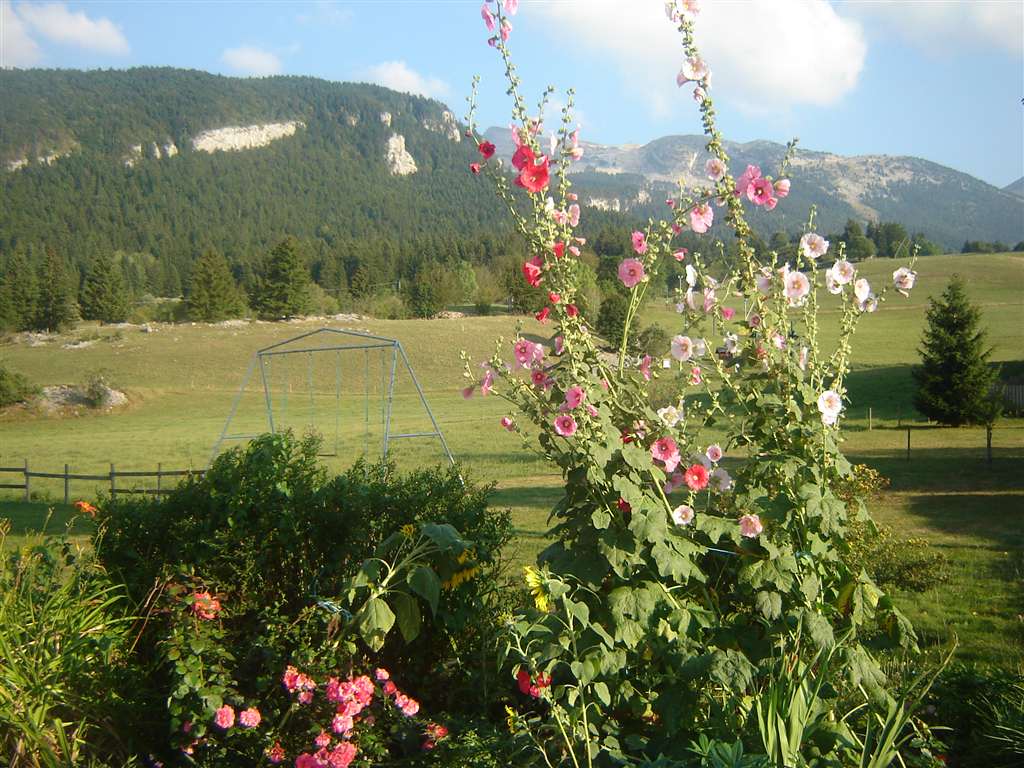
x,y
474,167
696,477
623,505
534,177
523,156
558,249
486,149
571,310
542,316
553,297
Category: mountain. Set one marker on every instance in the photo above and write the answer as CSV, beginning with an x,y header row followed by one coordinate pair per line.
x,y
1016,187
925,197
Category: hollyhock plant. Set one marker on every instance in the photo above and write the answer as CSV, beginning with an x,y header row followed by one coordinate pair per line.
x,y
644,598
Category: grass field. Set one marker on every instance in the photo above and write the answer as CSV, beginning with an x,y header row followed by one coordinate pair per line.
x,y
181,381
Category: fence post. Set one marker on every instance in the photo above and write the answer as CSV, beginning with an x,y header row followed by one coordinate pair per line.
x,y
988,441
908,443
870,419
113,483
159,477
28,483
67,485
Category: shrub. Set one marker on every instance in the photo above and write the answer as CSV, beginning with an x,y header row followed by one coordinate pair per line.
x,y
654,341
14,387
65,634
275,542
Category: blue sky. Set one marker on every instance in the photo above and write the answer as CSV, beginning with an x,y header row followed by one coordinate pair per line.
x,y
934,79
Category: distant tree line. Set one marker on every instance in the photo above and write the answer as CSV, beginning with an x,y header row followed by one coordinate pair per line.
x,y
981,246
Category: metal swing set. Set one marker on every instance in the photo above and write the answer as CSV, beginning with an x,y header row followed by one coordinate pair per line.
x,y
273,368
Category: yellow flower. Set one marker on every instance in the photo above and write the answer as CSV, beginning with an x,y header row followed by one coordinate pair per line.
x,y
512,718
535,582
408,530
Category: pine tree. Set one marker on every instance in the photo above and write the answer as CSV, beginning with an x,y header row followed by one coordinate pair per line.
x,y
57,308
105,294
955,381
283,289
19,294
213,294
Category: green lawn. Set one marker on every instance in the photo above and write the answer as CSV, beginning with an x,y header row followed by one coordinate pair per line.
x,y
181,381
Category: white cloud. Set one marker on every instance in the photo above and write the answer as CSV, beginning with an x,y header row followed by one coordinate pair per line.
x,y
17,48
764,54
56,23
249,60
398,76
944,27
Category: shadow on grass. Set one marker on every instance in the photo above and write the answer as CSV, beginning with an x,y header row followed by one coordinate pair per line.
x,y
51,518
949,469
998,517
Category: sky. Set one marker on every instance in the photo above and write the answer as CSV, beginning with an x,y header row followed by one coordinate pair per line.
x,y
938,79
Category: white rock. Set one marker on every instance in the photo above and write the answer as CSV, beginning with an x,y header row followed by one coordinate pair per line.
x,y
170,150
239,137
385,117
400,162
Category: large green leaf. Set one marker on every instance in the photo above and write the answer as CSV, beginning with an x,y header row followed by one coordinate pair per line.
x,y
424,582
407,610
375,621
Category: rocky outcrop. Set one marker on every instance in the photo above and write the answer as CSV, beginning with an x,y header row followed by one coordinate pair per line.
x,y
447,125
397,157
385,117
134,155
239,137
48,159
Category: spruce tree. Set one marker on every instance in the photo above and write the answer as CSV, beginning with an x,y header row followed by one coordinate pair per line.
x,y
57,308
19,294
105,294
283,288
955,382
213,294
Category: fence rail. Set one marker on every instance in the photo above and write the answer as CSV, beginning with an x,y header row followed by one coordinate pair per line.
x,y
110,477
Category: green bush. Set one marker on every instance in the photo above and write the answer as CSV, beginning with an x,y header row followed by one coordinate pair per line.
x,y
65,635
654,341
275,541
14,387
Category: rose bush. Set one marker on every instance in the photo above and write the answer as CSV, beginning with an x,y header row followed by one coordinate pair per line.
x,y
683,603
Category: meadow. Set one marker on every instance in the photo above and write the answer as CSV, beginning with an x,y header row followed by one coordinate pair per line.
x,y
181,382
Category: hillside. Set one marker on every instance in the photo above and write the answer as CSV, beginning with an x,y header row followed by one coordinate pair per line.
x,y
1016,187
924,196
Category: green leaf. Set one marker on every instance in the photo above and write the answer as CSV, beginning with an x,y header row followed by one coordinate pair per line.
x,y
601,518
769,604
424,582
444,536
819,628
375,621
601,691
408,612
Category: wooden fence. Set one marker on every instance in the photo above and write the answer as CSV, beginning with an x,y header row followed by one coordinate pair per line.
x,y
110,477
1013,395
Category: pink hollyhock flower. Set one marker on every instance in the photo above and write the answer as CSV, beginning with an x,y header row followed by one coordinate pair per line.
x,y
249,718
558,249
830,404
559,345
565,425
576,151
276,753
701,218
574,215
510,6
631,272
802,358
903,280
639,242
224,717
665,450
542,316
715,169
750,526
574,396
693,70
474,167
813,245
746,178
699,94
592,411
682,348
781,188
467,392
540,379
690,8
488,17
532,271
728,313
760,191
695,376
709,299
486,149
306,760
714,453
676,228
534,176
487,382
682,515
675,480
205,605
645,367
508,423
680,254
797,286
696,477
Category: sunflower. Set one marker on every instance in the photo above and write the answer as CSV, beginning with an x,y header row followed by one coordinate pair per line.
x,y
535,581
